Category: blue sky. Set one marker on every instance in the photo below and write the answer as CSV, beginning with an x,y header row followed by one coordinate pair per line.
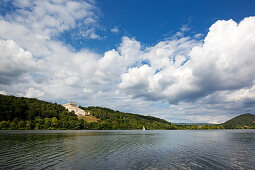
x,y
152,21
184,61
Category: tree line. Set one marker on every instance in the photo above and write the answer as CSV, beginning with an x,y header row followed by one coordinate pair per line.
x,y
30,113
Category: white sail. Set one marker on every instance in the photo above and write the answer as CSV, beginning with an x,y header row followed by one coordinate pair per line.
x,y
143,128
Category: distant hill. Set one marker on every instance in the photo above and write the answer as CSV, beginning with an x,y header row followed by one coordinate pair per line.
x,y
242,121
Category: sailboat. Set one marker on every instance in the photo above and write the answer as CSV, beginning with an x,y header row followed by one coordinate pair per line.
x,y
143,128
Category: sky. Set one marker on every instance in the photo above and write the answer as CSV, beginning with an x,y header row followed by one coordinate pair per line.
x,y
183,61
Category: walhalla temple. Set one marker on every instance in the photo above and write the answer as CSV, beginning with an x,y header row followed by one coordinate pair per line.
x,y
73,107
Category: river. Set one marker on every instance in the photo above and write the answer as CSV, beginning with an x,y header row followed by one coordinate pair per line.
x,y
127,149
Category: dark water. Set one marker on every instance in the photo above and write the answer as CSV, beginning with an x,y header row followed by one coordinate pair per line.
x,y
194,149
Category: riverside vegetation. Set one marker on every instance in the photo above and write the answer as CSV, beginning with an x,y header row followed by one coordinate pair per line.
x,y
29,113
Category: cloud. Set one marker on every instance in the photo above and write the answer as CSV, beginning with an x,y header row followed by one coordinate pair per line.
x,y
115,29
45,19
165,69
3,92
14,61
51,17
31,92
185,28
224,61
199,35
32,53
89,33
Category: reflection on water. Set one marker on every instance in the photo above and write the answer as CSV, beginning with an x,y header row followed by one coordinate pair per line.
x,y
208,149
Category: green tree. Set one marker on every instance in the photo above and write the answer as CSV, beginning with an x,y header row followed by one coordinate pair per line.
x,y
47,123
3,125
38,123
21,125
54,122
28,125
38,126
13,126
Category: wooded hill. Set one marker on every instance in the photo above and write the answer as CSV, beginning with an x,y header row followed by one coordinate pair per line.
x,y
30,113
111,119
242,121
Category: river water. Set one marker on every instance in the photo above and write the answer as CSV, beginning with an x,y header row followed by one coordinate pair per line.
x,y
127,149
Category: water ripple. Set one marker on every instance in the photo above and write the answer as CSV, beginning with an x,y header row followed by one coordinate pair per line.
x,y
127,149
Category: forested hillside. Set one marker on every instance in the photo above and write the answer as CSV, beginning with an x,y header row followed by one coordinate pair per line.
x,y
111,119
241,121
30,113
28,108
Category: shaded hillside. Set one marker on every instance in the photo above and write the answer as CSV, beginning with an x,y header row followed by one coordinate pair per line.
x,y
241,121
28,108
31,113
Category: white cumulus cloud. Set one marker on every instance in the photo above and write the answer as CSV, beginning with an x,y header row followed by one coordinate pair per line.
x,y
14,61
224,61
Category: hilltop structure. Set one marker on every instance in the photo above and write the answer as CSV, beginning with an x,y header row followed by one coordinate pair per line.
x,y
73,107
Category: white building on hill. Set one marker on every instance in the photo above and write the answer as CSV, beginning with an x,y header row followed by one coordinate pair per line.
x,y
73,107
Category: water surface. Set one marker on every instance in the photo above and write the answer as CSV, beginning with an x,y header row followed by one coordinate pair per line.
x,y
179,149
